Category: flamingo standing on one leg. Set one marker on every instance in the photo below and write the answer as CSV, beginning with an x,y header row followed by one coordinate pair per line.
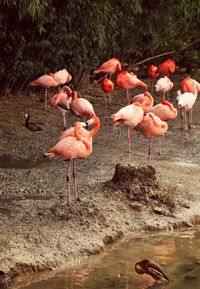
x,y
73,147
151,126
62,101
152,72
129,81
107,87
63,76
47,80
185,104
131,115
167,67
163,85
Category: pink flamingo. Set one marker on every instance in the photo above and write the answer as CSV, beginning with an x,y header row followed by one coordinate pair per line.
x,y
167,67
165,110
81,107
62,101
129,81
185,104
163,85
152,72
47,80
63,76
109,67
146,100
107,86
151,126
131,115
190,85
73,147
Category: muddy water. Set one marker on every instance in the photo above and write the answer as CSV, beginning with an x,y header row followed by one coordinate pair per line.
x,y
177,252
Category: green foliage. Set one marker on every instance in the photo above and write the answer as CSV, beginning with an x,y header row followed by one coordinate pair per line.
x,y
38,36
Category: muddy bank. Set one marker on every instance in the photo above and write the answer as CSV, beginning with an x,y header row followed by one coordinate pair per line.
x,y
38,230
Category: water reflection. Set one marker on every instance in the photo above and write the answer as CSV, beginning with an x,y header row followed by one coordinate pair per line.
x,y
178,253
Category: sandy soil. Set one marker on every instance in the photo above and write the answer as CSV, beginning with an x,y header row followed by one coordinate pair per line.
x,y
38,229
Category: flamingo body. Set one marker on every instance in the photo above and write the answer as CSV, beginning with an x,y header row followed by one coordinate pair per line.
x,y
152,71
47,80
165,110
166,67
63,76
190,85
107,85
128,80
81,107
163,85
109,67
186,100
145,99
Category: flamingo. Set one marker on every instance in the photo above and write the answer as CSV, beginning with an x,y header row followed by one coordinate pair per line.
x,y
185,104
63,76
62,101
151,126
151,268
190,85
109,67
129,81
73,147
163,85
131,115
152,71
107,87
46,80
166,67
165,110
81,107
146,100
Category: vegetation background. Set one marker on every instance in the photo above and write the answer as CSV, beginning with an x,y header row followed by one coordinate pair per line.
x,y
38,36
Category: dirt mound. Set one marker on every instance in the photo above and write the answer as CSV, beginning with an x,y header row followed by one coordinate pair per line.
x,y
140,186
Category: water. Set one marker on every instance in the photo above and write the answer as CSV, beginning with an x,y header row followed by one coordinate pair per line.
x,y
8,162
177,252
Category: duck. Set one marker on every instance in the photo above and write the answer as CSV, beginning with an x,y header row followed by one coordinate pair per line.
x,y
31,125
151,268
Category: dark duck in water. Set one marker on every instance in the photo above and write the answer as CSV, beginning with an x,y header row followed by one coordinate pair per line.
x,y
151,268
31,125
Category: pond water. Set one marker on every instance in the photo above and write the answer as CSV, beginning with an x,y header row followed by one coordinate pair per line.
x,y
177,252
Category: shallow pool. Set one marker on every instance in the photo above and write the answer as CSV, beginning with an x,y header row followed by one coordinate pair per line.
x,y
177,252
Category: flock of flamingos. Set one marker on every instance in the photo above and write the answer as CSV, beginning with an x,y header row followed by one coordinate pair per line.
x,y
138,115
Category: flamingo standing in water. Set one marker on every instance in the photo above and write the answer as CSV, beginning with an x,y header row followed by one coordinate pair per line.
x,y
167,67
62,101
152,72
129,81
73,147
107,87
131,115
185,104
47,80
163,85
151,126
63,76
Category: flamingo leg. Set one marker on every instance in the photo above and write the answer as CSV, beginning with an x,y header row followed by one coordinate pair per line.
x,y
163,95
190,119
128,96
74,179
105,105
45,99
185,125
159,145
152,85
149,150
129,142
68,180
182,114
64,121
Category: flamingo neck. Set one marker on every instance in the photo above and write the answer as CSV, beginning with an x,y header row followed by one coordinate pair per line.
x,y
74,95
96,128
80,137
149,100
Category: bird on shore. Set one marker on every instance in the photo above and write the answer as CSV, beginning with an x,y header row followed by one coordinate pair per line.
x,y
47,80
166,68
73,147
151,268
186,101
163,85
151,126
152,72
62,100
63,76
129,81
107,86
81,107
146,100
31,125
109,67
130,115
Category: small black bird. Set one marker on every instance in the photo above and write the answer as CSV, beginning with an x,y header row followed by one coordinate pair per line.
x,y
31,125
151,268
